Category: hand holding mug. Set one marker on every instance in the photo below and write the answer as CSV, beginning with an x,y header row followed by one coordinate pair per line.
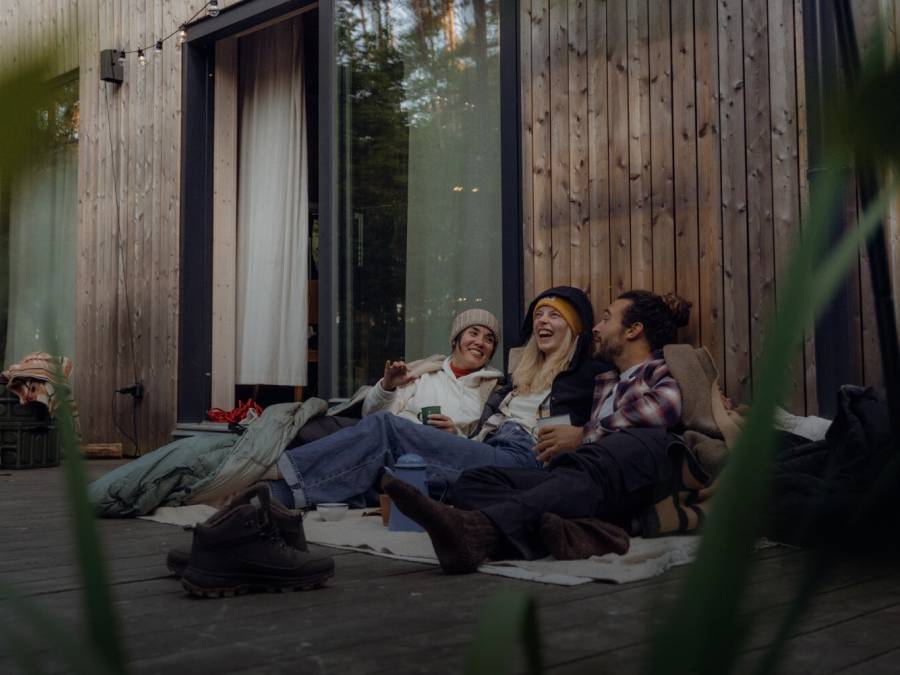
x,y
441,422
552,440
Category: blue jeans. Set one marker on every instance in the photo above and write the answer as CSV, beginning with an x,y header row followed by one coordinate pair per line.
x,y
346,465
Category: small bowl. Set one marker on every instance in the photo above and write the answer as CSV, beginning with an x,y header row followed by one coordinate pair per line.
x,y
332,512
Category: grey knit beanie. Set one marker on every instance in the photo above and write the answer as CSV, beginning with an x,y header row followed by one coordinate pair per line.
x,y
474,317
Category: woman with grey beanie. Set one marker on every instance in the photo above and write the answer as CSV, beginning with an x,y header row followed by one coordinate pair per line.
x,y
459,384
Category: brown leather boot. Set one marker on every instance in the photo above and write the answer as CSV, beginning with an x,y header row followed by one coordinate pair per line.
x,y
462,539
240,549
580,538
288,521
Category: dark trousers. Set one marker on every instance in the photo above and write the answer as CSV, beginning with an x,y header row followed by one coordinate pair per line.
x,y
613,479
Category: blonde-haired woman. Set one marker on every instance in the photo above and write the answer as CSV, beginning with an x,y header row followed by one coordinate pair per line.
x,y
553,379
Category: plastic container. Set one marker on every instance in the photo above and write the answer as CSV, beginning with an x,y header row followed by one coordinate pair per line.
x,y
28,446
13,412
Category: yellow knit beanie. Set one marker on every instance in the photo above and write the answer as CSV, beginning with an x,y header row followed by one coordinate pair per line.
x,y
565,308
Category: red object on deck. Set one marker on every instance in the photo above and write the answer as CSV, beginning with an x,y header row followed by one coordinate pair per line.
x,y
234,415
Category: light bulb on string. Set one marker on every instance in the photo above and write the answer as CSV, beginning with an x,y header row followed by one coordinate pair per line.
x,y
142,60
182,34
158,47
213,8
121,57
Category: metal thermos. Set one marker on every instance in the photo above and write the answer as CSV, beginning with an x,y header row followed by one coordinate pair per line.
x,y
410,468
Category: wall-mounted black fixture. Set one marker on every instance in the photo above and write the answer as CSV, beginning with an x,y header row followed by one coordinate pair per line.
x,y
111,68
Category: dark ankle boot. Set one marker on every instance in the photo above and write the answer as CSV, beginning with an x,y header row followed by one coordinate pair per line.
x,y
462,539
240,549
288,521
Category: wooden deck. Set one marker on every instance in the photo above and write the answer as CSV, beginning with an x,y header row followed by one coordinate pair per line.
x,y
379,615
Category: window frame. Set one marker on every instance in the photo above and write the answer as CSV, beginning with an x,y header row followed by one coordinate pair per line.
x,y
196,246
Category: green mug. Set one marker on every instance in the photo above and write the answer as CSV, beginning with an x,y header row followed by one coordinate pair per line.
x,y
428,410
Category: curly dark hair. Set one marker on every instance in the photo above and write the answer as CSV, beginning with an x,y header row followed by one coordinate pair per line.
x,y
661,315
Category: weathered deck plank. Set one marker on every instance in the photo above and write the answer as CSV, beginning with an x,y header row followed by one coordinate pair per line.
x,y
380,615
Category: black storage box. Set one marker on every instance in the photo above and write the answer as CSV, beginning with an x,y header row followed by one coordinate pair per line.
x,y
28,437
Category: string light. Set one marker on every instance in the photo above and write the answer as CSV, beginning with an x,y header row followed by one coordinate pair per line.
x,y
212,9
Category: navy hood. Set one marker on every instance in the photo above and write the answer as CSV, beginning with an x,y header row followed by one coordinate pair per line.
x,y
579,300
575,296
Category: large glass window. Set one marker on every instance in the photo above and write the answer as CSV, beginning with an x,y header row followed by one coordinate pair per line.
x,y
418,177
38,228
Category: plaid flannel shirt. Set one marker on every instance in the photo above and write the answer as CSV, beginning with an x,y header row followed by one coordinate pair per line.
x,y
650,398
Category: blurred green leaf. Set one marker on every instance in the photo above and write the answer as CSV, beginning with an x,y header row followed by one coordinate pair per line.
x,y
862,121
507,619
102,620
24,91
39,628
704,632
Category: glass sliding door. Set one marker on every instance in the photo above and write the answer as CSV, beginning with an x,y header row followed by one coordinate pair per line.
x,y
417,230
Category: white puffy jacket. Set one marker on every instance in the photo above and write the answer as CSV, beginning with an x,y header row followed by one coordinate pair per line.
x,y
461,399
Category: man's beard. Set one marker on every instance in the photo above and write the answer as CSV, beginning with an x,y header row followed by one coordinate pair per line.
x,y
606,351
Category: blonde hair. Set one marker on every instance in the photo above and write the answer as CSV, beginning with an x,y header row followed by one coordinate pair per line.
x,y
536,371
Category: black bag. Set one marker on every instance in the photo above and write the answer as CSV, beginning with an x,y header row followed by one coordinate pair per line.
x,y
822,489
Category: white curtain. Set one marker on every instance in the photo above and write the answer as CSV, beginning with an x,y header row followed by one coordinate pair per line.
x,y
43,225
273,209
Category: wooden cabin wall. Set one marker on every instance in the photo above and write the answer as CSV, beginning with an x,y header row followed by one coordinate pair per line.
x,y
664,147
128,258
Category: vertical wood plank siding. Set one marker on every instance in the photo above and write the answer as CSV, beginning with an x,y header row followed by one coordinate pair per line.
x,y
598,156
130,151
696,164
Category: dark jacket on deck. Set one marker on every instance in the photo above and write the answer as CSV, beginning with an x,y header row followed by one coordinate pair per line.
x,y
839,491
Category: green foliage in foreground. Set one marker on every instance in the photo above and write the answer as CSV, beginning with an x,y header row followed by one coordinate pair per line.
x,y
24,141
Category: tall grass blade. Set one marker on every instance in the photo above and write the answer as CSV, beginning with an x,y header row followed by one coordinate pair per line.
x,y
22,650
24,91
77,657
507,619
103,623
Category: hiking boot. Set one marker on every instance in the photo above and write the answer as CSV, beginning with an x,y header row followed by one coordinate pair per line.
x,y
462,540
288,521
240,549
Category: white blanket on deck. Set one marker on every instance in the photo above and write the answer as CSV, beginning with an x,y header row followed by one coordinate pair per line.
x,y
645,558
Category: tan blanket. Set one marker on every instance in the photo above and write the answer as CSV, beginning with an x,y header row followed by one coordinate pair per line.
x,y
710,431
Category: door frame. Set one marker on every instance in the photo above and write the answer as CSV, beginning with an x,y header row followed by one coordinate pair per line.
x,y
195,354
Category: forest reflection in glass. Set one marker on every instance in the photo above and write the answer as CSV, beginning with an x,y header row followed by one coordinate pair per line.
x,y
418,176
